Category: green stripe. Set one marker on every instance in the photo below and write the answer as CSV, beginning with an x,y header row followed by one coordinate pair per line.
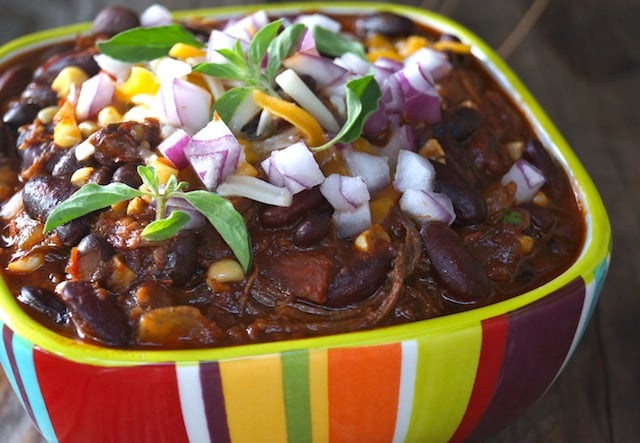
x,y
295,375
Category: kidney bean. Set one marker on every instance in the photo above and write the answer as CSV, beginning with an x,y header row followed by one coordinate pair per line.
x,y
555,184
178,261
312,229
303,202
541,217
93,261
453,263
81,58
469,206
13,81
128,175
45,303
384,23
358,278
114,19
95,314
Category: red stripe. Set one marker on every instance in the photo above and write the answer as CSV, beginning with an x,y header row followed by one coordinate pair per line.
x,y
494,338
89,403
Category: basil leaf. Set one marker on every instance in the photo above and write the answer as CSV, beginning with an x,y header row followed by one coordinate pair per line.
x,y
165,228
235,56
282,47
335,44
225,71
149,178
226,220
87,199
261,41
145,44
228,102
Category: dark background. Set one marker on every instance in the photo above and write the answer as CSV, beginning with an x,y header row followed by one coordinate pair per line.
x,y
581,61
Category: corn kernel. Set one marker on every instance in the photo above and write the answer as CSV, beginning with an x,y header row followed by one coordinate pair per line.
x,y
88,127
136,206
46,115
184,51
376,41
85,150
541,199
140,81
382,203
432,150
392,54
121,276
68,78
81,176
367,240
515,149
66,133
245,168
66,111
527,244
26,264
108,115
225,270
163,169
411,45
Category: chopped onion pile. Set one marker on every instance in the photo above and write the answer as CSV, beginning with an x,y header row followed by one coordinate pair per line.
x,y
528,180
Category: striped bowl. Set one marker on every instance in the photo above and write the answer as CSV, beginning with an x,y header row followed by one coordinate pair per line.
x,y
446,379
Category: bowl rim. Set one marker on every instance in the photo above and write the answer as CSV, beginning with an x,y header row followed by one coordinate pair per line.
x,y
597,245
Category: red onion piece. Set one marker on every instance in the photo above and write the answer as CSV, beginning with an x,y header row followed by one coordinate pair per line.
x,y
293,167
221,40
353,63
246,27
311,20
528,180
214,153
184,104
307,44
431,61
373,169
427,206
322,70
351,223
413,171
117,69
255,189
95,94
155,15
173,146
345,193
196,219
420,97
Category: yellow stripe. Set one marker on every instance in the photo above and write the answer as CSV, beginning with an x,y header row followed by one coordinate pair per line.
x,y
254,399
444,360
319,393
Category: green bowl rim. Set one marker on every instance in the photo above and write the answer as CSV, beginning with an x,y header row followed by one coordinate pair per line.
x,y
597,246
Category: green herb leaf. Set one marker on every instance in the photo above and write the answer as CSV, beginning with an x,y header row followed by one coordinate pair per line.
x,y
145,44
165,228
512,217
261,41
87,199
335,44
225,71
226,220
228,102
282,47
362,99
236,56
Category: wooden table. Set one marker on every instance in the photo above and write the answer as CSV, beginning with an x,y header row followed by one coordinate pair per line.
x,y
582,62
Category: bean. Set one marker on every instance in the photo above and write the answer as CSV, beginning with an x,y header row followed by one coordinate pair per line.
x,y
358,278
128,175
303,202
462,123
20,113
453,263
44,303
95,314
66,164
179,261
81,58
93,259
39,93
541,217
468,204
535,153
387,24
14,80
114,19
312,229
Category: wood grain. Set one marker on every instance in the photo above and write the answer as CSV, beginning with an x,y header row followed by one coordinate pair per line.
x,y
582,62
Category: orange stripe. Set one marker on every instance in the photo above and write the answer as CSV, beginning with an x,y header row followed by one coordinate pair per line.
x,y
363,393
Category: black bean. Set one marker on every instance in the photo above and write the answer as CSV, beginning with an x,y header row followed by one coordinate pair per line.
x,y
555,184
39,93
463,122
384,23
468,203
458,270
20,113
303,202
13,81
358,278
93,262
44,303
80,58
312,229
128,175
95,313
180,261
66,164
114,19
542,218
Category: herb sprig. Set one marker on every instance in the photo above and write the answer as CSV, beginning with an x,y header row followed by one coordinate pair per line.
x,y
217,210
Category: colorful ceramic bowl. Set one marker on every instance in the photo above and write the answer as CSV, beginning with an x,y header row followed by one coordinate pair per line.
x,y
450,378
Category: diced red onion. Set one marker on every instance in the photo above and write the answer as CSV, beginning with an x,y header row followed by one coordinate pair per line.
x,y
255,189
373,169
95,94
353,63
214,153
349,224
221,40
345,193
173,146
293,167
167,68
311,20
184,104
196,219
432,61
155,15
246,27
117,69
413,171
307,44
402,138
427,206
421,99
322,70
384,68
528,180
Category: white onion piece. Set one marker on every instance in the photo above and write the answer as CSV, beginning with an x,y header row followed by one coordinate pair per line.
x,y
95,94
420,97
373,169
214,153
290,83
413,171
118,69
155,15
173,146
352,223
427,206
353,63
255,189
322,70
184,104
246,27
167,68
311,20
528,180
196,218
432,61
293,167
345,193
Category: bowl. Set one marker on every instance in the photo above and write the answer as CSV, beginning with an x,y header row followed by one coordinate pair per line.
x,y
461,376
